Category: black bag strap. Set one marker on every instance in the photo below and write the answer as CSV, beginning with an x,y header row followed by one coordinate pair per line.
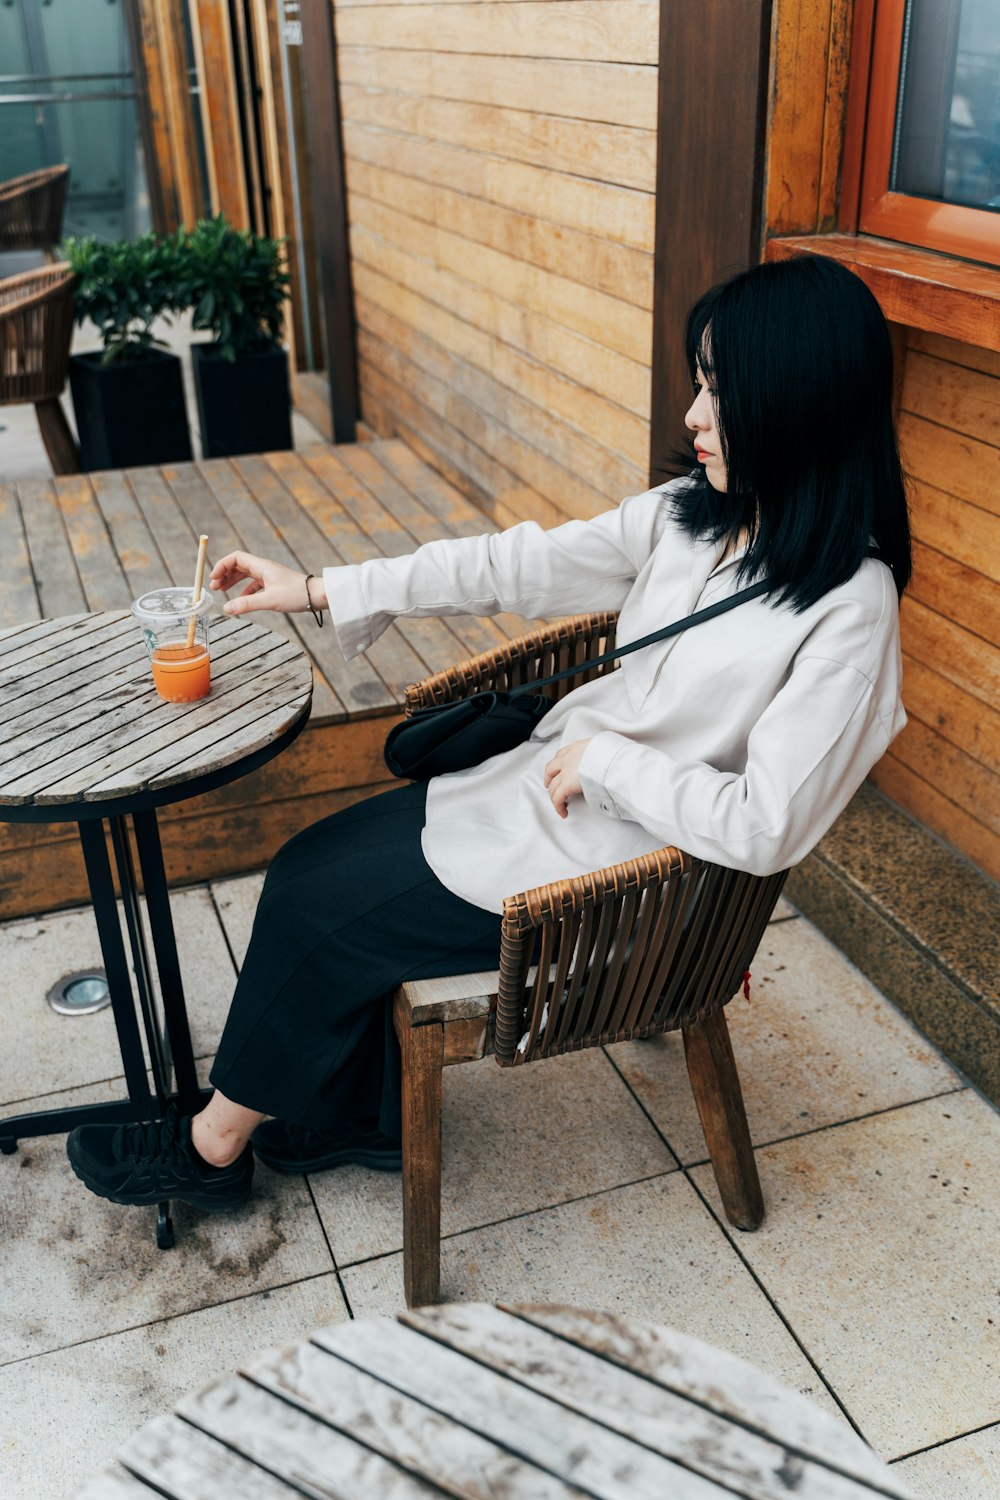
x,y
753,592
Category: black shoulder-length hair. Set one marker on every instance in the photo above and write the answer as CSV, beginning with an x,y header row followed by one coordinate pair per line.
x,y
798,355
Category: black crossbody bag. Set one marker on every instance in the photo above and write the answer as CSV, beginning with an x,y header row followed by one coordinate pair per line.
x,y
451,736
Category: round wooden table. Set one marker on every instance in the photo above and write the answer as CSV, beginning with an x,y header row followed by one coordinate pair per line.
x,y
84,738
525,1402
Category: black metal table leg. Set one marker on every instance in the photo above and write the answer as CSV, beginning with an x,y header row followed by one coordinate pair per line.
x,y
177,1040
102,894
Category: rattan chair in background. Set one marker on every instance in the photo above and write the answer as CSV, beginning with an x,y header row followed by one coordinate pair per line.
x,y
655,944
31,210
36,326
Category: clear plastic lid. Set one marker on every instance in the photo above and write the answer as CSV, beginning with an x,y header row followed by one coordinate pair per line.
x,y
162,605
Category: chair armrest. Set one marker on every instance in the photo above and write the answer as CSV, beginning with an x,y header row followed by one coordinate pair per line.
x,y
564,643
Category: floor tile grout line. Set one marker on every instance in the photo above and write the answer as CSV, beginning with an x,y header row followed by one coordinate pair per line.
x,y
329,1246
114,1333
541,1208
945,1442
872,1114
730,1242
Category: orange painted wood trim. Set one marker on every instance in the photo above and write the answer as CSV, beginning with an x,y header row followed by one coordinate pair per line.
x,y
913,286
951,228
856,115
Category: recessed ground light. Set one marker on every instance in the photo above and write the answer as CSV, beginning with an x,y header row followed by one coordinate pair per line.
x,y
80,993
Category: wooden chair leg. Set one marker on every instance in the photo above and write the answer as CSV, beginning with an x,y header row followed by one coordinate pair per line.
x,y
57,437
423,1060
716,1086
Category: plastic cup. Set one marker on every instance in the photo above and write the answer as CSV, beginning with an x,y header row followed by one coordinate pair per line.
x,y
181,673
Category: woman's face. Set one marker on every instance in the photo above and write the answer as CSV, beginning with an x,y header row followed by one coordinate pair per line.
x,y
702,419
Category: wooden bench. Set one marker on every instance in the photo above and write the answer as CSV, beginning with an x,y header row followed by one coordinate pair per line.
x,y
96,541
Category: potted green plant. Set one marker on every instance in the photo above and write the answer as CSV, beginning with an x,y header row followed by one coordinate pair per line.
x,y
236,284
129,396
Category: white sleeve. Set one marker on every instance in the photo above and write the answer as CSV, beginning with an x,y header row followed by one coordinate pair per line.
x,y
578,567
806,757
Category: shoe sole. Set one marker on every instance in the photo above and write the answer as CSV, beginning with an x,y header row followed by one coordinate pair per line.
x,y
378,1161
146,1200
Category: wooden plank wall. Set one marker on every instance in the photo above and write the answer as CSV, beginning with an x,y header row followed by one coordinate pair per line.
x,y
945,766
500,166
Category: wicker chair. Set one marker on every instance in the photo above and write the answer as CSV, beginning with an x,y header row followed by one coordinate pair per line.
x,y
36,326
656,944
31,210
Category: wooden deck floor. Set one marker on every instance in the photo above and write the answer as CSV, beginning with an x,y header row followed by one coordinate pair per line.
x,y
91,542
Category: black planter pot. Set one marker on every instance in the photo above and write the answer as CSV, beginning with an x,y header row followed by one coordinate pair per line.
x,y
244,407
131,412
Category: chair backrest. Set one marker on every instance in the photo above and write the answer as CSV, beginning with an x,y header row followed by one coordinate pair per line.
x,y
651,945
565,643
31,209
36,328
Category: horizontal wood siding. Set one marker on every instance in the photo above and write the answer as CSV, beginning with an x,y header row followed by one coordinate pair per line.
x,y
500,163
945,766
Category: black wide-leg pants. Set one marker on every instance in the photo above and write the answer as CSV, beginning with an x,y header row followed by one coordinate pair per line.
x,y
350,908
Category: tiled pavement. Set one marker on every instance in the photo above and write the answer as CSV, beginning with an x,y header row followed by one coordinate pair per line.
x,y
871,1286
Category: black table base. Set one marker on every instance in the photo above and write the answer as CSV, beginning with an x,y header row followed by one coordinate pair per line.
x,y
163,1072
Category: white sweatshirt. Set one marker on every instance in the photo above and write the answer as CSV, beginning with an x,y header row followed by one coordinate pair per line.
x,y
739,740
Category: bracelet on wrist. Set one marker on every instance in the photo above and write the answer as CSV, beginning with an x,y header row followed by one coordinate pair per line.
x,y
317,614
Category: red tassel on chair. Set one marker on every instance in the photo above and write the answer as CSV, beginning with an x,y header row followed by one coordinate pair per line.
x,y
746,985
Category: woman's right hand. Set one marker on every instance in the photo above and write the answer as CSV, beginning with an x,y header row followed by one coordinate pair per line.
x,y
271,586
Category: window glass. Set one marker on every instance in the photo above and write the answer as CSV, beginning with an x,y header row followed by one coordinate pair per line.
x,y
947,138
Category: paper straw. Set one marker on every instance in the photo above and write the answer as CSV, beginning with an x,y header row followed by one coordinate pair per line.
x,y
199,574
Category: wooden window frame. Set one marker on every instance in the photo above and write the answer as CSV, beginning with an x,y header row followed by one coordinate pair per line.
x,y
867,205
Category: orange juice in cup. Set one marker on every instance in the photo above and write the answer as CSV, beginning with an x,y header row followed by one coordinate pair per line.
x,y
181,667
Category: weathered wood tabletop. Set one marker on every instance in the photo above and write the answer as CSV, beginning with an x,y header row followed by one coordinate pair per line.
x,y
524,1402
80,720
96,541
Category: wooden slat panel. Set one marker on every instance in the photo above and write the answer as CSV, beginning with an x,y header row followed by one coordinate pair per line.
x,y
606,442
963,532
501,493
969,356
296,1447
133,543
616,269
101,574
51,561
726,1384
386,239
617,93
617,213
18,597
603,371
958,592
607,153
970,785
953,396
595,30
967,722
700,1435
491,433
179,1460
966,659
952,462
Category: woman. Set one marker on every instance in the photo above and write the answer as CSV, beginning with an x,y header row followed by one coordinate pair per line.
x,y
739,740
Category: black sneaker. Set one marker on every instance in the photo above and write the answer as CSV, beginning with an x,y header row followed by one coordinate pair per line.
x,y
292,1148
150,1162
